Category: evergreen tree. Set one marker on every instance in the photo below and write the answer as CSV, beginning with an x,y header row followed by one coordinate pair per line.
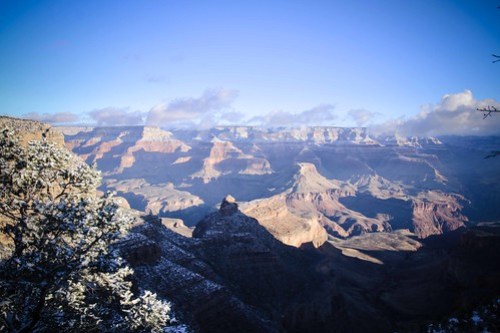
x,y
59,271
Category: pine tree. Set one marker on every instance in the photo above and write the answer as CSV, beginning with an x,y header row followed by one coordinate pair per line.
x,y
59,271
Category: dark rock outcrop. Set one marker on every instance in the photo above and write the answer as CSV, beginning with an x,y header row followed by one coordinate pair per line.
x,y
175,273
232,276
228,206
278,279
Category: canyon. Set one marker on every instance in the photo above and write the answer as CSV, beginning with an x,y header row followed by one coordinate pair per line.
x,y
301,230
302,184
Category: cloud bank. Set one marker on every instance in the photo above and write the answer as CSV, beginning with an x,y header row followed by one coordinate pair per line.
x,y
361,116
202,111
116,117
321,115
455,114
53,118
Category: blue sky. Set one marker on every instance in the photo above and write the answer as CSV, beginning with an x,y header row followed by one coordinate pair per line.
x,y
174,63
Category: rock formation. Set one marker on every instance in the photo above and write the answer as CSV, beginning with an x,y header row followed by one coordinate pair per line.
x,y
435,213
310,208
155,199
28,130
153,140
225,158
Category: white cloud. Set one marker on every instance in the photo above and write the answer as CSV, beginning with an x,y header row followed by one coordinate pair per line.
x,y
54,118
116,117
232,117
455,114
321,115
361,116
189,111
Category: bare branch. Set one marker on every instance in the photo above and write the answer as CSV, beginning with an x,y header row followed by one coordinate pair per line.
x,y
494,153
497,58
488,110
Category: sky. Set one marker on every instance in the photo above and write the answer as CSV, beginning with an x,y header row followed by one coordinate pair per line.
x,y
419,67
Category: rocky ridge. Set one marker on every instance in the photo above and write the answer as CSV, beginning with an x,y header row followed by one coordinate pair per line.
x,y
154,198
311,209
225,158
153,140
316,135
435,213
28,130
413,141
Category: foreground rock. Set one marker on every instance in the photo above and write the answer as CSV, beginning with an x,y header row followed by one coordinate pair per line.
x,y
234,276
